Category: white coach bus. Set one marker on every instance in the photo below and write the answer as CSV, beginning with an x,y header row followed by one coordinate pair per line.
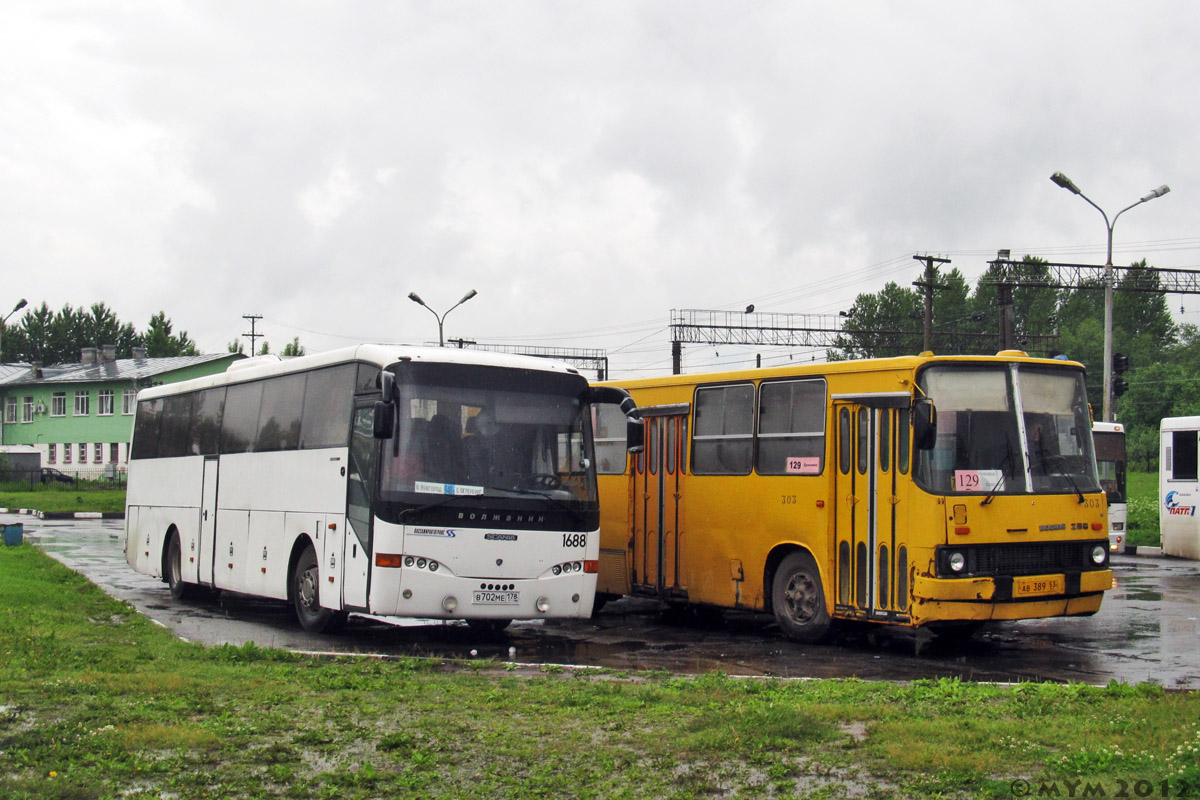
x,y
396,481
1108,439
1179,486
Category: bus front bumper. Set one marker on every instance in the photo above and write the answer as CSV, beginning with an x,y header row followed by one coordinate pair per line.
x,y
1009,598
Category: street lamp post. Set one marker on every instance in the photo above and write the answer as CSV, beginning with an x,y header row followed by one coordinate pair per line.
x,y
1066,183
16,308
441,318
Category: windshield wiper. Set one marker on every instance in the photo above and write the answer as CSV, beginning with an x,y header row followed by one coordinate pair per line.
x,y
1048,461
574,512
1000,481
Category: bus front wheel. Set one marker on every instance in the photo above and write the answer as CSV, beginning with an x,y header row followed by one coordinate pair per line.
x,y
306,595
799,600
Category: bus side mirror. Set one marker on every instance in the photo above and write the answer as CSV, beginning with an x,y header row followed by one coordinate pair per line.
x,y
924,424
635,435
384,424
635,430
387,386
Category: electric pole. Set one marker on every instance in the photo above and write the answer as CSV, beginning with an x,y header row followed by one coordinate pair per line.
x,y
928,285
252,335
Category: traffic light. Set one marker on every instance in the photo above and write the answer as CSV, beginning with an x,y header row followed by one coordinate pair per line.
x,y
1120,363
1119,385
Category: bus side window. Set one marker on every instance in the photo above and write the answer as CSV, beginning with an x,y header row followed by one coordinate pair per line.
x,y
723,441
844,441
1184,467
791,428
903,439
146,427
609,423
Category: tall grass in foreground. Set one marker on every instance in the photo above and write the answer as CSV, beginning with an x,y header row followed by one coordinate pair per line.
x,y
97,702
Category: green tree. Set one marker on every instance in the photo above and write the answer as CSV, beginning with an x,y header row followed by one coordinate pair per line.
x,y
237,346
161,341
293,348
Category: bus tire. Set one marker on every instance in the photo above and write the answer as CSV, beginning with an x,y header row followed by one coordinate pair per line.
x,y
306,594
798,600
173,568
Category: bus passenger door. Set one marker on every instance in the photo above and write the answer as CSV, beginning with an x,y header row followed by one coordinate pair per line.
x,y
658,474
206,547
360,494
872,469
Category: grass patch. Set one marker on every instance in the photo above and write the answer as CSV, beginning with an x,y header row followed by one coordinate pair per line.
x,y
1142,495
86,496
97,702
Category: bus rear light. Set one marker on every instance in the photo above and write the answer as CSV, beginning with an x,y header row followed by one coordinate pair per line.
x,y
387,560
1096,526
591,567
820,504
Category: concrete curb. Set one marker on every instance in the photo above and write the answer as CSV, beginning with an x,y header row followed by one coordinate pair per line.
x,y
1142,550
65,514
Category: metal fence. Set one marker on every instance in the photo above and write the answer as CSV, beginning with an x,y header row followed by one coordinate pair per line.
x,y
108,476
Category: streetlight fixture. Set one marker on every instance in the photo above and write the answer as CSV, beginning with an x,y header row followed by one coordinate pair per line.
x,y
1062,180
441,318
23,302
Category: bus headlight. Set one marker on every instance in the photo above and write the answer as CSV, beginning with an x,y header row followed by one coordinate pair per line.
x,y
543,604
1098,554
449,603
957,562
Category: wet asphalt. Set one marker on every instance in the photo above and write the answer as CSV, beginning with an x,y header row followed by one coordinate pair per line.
x,y
1148,629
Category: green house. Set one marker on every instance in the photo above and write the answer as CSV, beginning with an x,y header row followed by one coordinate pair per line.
x,y
80,416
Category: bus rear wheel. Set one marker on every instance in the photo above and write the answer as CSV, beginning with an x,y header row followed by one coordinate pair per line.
x,y
306,596
173,567
799,600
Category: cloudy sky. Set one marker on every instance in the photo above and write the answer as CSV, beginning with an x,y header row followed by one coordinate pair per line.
x,y
586,166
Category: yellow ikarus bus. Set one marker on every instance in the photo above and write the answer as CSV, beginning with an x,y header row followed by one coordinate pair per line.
x,y
934,491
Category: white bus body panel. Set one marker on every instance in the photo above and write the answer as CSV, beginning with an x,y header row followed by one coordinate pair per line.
x,y
1178,497
521,561
177,484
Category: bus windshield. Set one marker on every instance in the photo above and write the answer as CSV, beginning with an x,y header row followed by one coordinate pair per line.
x,y
1110,459
1011,429
469,434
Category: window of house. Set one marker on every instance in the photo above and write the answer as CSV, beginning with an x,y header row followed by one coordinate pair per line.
x,y
52,453
82,403
114,452
67,452
104,401
58,404
128,401
98,453
27,410
10,410
82,453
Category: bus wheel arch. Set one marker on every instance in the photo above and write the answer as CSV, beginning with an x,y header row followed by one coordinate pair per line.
x,y
172,565
304,589
798,597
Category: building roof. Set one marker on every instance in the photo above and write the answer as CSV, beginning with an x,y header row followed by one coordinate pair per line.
x,y
10,373
122,369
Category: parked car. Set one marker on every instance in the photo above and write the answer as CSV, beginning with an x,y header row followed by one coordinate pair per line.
x,y
51,475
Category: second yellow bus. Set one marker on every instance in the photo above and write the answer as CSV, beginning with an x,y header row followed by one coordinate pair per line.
x,y
917,491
